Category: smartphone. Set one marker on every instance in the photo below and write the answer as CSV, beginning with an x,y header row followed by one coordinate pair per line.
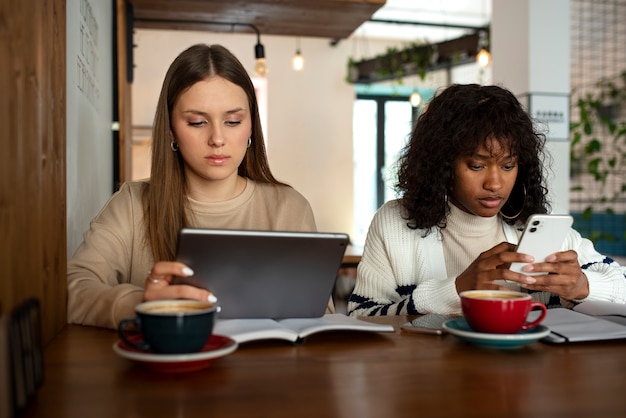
x,y
431,323
543,235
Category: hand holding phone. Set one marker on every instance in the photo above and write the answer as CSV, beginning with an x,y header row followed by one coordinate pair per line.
x,y
543,235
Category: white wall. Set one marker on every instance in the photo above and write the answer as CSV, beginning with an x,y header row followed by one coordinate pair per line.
x,y
309,133
310,112
531,49
89,114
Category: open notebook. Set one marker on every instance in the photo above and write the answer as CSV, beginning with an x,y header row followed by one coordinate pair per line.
x,y
589,321
294,329
264,274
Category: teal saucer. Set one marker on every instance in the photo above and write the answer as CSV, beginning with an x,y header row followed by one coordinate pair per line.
x,y
460,328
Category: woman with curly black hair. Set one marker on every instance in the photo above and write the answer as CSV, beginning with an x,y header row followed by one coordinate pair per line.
x,y
469,178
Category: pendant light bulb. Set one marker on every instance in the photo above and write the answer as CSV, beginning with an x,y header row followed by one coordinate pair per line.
x,y
483,58
297,61
415,99
260,68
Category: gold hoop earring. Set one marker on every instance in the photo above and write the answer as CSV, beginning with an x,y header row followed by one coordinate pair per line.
x,y
510,217
174,146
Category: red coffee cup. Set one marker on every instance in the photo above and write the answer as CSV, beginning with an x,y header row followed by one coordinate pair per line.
x,y
499,311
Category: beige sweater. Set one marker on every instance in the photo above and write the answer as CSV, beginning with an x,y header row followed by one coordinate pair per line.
x,y
107,273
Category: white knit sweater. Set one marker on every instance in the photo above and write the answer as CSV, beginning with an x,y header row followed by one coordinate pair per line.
x,y
402,272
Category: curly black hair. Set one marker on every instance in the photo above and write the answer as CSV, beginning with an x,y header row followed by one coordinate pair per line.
x,y
455,123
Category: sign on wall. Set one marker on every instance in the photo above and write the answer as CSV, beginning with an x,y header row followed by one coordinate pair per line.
x,y
551,111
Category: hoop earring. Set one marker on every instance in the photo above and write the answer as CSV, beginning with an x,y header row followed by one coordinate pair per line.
x,y
510,217
174,146
249,142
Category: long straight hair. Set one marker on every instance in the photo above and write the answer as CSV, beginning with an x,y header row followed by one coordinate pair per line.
x,y
165,200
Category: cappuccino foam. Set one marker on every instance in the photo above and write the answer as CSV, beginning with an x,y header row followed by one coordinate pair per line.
x,y
175,308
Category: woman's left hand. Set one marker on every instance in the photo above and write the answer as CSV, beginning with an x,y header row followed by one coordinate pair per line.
x,y
565,277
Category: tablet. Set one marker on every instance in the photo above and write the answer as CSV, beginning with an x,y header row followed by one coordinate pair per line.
x,y
264,274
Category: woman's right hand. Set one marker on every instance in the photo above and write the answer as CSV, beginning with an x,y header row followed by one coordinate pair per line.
x,y
492,265
158,283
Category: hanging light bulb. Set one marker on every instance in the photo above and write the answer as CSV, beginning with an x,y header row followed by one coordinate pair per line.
x,y
483,58
415,99
297,62
260,68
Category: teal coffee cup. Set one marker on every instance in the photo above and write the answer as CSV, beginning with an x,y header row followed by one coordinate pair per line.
x,y
169,326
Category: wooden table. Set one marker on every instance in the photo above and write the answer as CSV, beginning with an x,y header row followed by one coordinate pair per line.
x,y
338,375
352,257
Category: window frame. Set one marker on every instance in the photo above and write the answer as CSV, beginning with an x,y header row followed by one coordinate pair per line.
x,y
381,100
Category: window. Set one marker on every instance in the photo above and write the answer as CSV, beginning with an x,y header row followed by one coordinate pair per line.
x,y
382,123
381,126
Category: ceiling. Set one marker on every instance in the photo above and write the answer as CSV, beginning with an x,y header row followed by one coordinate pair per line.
x,y
333,19
432,20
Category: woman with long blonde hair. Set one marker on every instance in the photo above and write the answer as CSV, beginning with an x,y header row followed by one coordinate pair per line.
x,y
209,169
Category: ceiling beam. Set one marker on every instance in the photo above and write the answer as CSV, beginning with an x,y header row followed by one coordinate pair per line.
x,y
433,24
333,19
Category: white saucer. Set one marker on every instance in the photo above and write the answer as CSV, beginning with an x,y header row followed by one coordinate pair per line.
x,y
217,346
460,328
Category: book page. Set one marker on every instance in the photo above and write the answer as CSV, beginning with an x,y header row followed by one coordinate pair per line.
x,y
242,330
576,326
600,307
614,312
332,322
292,329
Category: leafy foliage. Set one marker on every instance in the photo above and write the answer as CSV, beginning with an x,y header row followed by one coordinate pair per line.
x,y
598,138
598,149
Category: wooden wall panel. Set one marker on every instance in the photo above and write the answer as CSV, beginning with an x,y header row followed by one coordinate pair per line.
x,y
32,158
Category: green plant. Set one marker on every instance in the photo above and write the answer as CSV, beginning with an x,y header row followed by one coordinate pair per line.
x,y
388,65
394,64
353,72
598,149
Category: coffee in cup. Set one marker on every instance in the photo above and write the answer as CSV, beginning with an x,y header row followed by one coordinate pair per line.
x,y
171,326
499,311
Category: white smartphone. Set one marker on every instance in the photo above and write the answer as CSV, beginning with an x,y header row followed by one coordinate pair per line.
x,y
431,323
543,235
